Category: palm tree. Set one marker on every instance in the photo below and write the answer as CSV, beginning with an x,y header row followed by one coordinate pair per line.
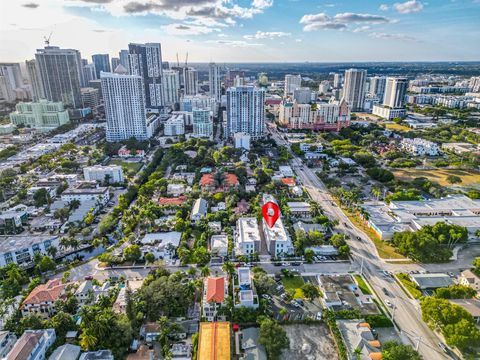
x,y
88,341
228,268
52,251
205,271
219,178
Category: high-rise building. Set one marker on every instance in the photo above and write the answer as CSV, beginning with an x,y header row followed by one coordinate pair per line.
x,y
43,115
474,83
90,97
190,76
171,87
89,73
115,61
302,95
146,61
35,81
395,90
202,124
245,111
61,74
124,101
377,86
12,73
354,88
214,81
292,82
337,81
102,63
123,56
7,93
231,76
324,87
193,102
165,65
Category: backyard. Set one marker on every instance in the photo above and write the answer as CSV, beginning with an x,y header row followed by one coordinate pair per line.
x,y
131,168
294,283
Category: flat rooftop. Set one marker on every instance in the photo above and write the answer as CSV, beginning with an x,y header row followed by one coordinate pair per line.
x,y
432,281
248,230
214,341
19,242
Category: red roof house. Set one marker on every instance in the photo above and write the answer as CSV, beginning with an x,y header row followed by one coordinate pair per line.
x,y
175,201
41,300
207,182
215,289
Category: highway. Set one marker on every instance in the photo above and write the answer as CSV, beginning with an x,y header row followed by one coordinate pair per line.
x,y
406,312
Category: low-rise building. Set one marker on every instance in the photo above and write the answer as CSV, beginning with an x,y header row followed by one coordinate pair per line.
x,y
431,281
97,355
162,244
460,148
41,300
176,189
199,210
219,245
66,352
242,140
420,147
215,291
299,209
174,126
359,340
20,249
109,174
32,345
86,191
247,236
43,115
13,220
244,290
214,341
88,293
470,279
208,182
472,306
125,153
387,112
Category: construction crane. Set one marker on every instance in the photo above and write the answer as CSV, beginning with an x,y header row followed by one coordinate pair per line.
x,y
47,39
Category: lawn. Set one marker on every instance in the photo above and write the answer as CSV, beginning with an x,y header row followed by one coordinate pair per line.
x,y
470,177
362,285
397,127
294,283
409,285
129,167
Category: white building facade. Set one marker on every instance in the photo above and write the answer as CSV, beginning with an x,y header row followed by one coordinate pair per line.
x,y
245,111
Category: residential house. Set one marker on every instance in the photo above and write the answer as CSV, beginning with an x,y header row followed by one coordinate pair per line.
x,y
150,331
300,209
97,355
176,189
359,340
199,210
87,293
215,291
244,290
41,300
215,226
32,345
162,244
219,245
252,350
66,352
470,279
208,182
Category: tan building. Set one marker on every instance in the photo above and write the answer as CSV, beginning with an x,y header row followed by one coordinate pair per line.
x,y
470,279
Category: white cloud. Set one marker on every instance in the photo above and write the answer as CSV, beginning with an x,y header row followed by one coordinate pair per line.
x,y
187,29
361,29
411,6
233,43
384,7
262,4
401,37
267,35
298,40
340,21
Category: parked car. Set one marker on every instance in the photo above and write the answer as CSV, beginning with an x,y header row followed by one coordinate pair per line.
x,y
266,296
388,303
89,277
385,291
318,317
443,347
300,301
294,303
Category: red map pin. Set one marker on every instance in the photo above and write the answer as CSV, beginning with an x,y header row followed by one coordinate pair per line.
x,y
270,212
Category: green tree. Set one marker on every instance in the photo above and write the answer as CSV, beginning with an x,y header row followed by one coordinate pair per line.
x,y
41,197
455,291
149,257
205,271
45,264
392,350
132,253
453,179
273,337
264,283
62,322
310,291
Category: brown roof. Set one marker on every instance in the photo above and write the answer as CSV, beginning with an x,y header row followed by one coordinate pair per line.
x,y
25,345
231,180
51,291
172,201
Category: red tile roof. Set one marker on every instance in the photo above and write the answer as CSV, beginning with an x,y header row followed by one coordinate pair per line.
x,y
231,180
172,201
51,291
215,289
288,181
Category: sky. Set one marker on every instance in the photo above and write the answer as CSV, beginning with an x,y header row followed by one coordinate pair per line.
x,y
248,30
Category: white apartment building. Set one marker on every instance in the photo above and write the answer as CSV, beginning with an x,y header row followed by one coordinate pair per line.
x,y
302,95
292,82
174,126
474,84
33,345
324,87
332,116
171,87
247,236
198,102
90,97
219,245
86,191
113,173
245,111
354,88
21,249
388,113
241,140
377,86
420,147
202,124
124,99
277,237
190,76
244,289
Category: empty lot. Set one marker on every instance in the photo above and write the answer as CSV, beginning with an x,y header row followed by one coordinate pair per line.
x,y
310,342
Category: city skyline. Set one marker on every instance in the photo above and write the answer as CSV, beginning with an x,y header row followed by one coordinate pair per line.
x,y
248,31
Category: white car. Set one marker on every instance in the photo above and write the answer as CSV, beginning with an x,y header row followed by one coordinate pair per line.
x,y
388,303
266,296
318,317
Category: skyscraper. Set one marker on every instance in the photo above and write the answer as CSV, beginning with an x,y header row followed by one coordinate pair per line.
x,y
12,73
292,82
202,123
377,86
146,61
337,81
124,100
115,62
395,90
214,81
245,111
190,76
354,88
123,56
171,87
61,74
89,73
102,63
35,81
